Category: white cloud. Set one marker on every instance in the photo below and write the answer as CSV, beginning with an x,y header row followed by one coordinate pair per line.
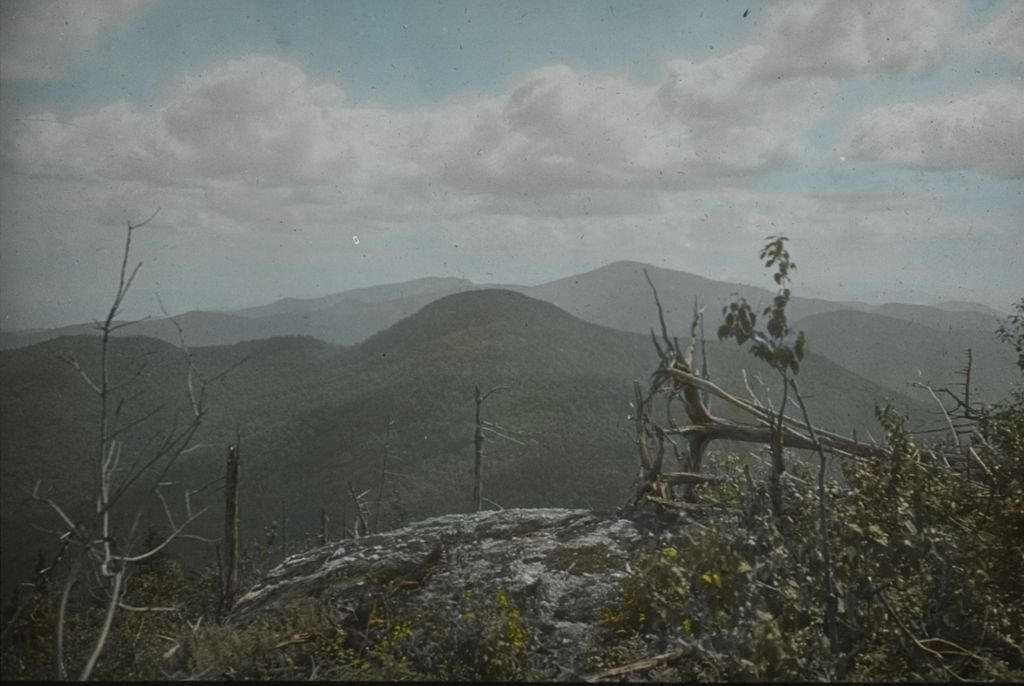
x,y
1005,33
41,39
983,131
736,122
837,39
257,140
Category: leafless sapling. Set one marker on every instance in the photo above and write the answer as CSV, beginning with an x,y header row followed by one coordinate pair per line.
x,y
100,551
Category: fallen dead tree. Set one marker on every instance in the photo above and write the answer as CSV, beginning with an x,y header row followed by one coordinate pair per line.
x,y
677,379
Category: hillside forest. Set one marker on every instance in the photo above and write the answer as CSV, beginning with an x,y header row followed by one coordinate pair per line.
x,y
842,485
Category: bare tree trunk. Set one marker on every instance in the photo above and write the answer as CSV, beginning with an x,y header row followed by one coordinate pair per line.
x,y
231,526
831,600
481,426
778,461
478,464
323,526
284,530
383,473
108,619
362,527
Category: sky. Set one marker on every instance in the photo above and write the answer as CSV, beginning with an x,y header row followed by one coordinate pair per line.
x,y
297,149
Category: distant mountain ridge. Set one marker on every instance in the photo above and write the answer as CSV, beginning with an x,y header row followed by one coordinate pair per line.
x,y
431,285
864,338
899,352
968,306
614,295
311,415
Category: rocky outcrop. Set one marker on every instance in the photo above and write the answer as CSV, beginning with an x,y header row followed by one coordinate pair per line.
x,y
561,568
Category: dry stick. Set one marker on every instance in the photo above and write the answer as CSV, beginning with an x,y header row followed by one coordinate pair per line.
x,y
641,431
62,672
478,440
361,527
105,631
673,504
383,472
679,478
323,526
651,662
949,421
720,428
968,451
497,505
831,601
934,653
750,391
103,386
133,608
960,650
284,530
778,465
704,372
661,314
637,666
232,546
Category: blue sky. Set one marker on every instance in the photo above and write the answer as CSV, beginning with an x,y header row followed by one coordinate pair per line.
x,y
303,148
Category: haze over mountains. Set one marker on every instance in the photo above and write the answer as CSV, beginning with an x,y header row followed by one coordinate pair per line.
x,y
867,339
321,376
311,415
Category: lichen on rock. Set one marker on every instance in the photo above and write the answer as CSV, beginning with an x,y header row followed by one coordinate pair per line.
x,y
552,570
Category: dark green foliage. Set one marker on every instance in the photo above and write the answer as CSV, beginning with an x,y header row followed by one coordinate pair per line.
x,y
927,570
897,353
926,559
1012,331
141,642
768,345
310,417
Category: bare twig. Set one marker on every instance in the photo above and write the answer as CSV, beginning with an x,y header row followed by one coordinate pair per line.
x,y
101,640
831,601
932,653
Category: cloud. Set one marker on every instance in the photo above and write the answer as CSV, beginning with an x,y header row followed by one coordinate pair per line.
x,y
257,140
41,39
981,131
738,124
836,40
1005,33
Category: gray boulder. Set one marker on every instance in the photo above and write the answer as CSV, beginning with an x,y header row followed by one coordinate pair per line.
x,y
559,568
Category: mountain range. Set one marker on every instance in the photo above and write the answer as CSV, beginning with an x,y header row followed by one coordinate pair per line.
x,y
312,416
867,339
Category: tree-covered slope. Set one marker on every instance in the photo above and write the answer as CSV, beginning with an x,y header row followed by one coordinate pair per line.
x,y
312,416
896,352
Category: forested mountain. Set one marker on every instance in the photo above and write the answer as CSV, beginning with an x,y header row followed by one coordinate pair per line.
x,y
898,352
886,343
617,295
943,318
345,318
311,416
435,286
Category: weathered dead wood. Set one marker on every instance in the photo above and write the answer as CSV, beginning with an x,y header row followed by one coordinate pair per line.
x,y
672,504
680,478
714,428
478,443
362,527
231,525
677,377
664,659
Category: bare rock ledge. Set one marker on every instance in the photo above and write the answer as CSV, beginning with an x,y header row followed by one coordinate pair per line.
x,y
560,567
